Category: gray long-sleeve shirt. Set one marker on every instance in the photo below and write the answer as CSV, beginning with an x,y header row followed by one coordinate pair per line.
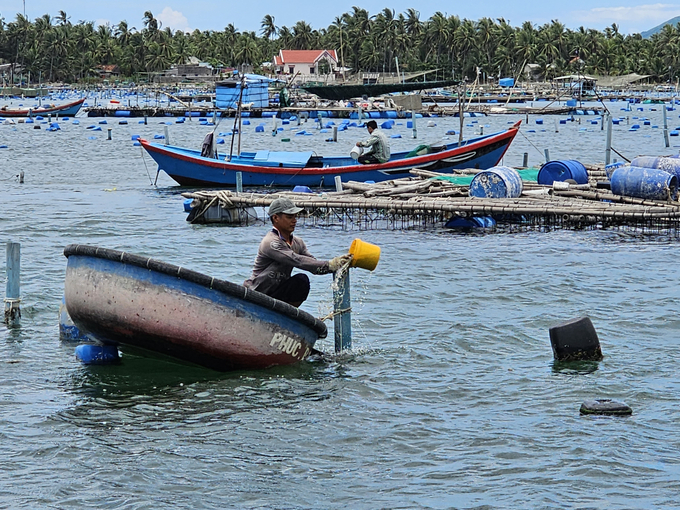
x,y
378,145
276,259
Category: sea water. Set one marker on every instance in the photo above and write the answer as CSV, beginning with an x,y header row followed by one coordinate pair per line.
x,y
449,399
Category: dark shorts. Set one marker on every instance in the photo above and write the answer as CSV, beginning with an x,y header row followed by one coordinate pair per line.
x,y
294,290
368,159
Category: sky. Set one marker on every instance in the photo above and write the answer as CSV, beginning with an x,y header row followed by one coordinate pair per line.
x,y
631,16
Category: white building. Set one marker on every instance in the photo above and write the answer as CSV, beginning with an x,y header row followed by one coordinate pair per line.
x,y
306,65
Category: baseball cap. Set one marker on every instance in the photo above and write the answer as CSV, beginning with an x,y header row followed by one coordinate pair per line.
x,y
283,205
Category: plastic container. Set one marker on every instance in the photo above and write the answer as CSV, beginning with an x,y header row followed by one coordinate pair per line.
x,y
496,182
97,354
561,171
459,222
670,165
647,183
365,255
356,152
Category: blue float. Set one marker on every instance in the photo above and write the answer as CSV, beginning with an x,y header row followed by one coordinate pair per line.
x,y
647,183
561,171
122,113
97,354
668,164
259,129
458,222
496,182
302,189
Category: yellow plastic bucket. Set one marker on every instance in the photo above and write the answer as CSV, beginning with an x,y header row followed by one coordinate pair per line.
x,y
365,255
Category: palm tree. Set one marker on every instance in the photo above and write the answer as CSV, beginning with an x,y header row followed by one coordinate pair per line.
x,y
269,29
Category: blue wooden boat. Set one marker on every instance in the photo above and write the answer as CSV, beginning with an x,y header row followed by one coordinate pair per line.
x,y
65,110
122,299
269,168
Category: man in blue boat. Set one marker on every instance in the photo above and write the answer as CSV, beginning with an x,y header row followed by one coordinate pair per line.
x,y
280,252
377,144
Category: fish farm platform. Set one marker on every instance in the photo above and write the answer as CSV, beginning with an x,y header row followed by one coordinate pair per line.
x,y
431,200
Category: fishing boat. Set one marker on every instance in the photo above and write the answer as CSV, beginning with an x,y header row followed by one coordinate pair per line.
x,y
69,109
122,299
273,168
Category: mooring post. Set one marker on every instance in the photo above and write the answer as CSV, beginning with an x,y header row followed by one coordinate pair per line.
x,y
145,121
338,183
13,293
335,133
525,160
547,155
360,113
239,182
21,176
108,137
167,135
413,121
665,127
342,311
319,116
608,149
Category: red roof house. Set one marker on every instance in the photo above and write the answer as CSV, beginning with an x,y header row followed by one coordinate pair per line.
x,y
306,64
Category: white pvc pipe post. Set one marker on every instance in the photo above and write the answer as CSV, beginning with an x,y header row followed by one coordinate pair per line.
x,y
608,148
13,292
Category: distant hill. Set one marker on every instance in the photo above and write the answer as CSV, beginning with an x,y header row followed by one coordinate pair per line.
x,y
649,33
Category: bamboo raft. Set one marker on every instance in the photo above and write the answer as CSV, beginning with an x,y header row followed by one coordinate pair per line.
x,y
427,199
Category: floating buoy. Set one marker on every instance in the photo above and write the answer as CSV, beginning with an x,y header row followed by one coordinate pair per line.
x,y
302,189
605,406
496,182
97,354
575,340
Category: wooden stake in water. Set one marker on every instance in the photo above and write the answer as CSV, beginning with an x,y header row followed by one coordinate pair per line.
x,y
13,293
665,127
608,149
342,310
525,160
335,133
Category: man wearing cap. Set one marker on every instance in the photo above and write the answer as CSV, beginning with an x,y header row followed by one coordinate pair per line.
x,y
280,252
378,146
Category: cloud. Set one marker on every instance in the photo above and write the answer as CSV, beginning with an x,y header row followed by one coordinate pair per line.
x,y
173,19
649,14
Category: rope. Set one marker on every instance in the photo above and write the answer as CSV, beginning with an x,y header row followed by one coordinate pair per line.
x,y
532,144
334,313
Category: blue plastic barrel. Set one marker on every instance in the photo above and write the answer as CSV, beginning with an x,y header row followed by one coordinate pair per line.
x,y
561,171
496,182
122,113
97,354
670,165
571,102
302,189
647,183
459,222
